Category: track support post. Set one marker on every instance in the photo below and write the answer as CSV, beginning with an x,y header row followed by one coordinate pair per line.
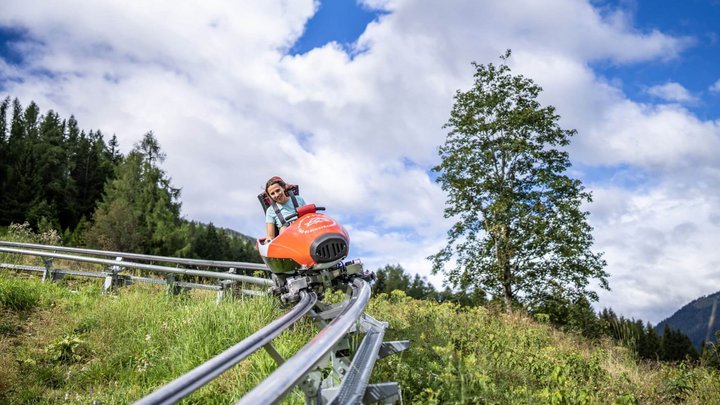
x,y
174,287
349,364
114,280
49,274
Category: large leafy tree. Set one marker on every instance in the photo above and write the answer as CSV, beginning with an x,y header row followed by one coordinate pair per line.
x,y
520,231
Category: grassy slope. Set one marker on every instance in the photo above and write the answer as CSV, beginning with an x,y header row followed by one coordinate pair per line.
x,y
69,344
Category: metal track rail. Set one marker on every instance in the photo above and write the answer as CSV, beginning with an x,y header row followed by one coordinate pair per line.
x,y
152,267
137,256
285,377
204,373
355,382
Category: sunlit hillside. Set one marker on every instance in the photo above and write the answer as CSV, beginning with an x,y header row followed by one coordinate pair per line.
x,y
68,343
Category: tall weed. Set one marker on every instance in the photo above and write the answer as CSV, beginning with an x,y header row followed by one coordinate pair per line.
x,y
22,295
475,355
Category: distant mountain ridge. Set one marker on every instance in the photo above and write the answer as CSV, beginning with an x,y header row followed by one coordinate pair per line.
x,y
238,234
693,319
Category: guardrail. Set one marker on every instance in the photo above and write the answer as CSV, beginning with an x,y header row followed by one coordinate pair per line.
x,y
143,266
113,272
137,256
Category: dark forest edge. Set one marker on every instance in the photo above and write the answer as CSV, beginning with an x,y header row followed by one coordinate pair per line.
x,y
74,188
56,177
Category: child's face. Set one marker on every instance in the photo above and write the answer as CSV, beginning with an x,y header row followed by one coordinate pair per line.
x,y
277,193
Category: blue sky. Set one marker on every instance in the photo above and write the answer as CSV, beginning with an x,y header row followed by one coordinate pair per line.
x,y
349,99
341,21
696,70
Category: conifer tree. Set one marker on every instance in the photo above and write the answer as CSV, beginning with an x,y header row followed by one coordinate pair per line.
x,y
676,346
92,167
140,211
23,185
652,349
53,185
211,244
3,150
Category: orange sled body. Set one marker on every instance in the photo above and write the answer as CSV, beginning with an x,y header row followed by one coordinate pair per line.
x,y
313,241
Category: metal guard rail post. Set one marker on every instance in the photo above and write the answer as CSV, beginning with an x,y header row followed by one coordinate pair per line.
x,y
285,377
152,267
204,373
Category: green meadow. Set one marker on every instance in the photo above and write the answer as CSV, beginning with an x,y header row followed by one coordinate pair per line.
x,y
66,342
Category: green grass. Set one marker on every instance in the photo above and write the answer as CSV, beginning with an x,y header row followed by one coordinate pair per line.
x,y
82,346
68,343
476,355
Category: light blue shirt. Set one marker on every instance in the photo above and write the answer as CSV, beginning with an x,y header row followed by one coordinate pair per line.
x,y
285,210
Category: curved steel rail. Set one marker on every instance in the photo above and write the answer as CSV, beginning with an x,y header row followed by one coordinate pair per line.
x,y
204,373
164,269
353,385
285,377
138,256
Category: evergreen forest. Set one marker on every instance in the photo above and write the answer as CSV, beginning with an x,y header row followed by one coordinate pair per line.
x,y
56,177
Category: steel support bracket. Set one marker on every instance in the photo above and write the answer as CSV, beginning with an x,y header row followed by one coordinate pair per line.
x,y
49,274
270,349
113,279
173,287
390,348
227,287
386,393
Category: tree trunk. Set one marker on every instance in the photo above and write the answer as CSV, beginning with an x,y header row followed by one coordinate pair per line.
x,y
503,262
507,288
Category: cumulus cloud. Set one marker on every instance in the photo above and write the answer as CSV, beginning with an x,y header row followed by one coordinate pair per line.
x,y
659,245
360,131
715,87
661,137
671,91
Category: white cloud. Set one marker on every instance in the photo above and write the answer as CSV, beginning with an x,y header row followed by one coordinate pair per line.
x,y
660,245
715,87
663,137
671,91
231,108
